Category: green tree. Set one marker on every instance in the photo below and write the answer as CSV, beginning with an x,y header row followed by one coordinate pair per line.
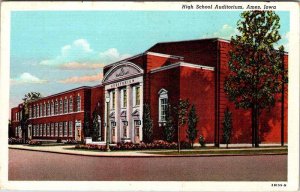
x,y
147,124
169,127
29,97
255,65
192,125
86,125
181,115
227,126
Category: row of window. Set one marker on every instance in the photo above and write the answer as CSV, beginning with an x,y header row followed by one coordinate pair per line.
x,y
61,129
135,94
54,108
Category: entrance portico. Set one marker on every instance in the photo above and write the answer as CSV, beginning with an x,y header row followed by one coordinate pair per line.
x,y
124,88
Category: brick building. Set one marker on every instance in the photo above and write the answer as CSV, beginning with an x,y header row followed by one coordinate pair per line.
x,y
193,70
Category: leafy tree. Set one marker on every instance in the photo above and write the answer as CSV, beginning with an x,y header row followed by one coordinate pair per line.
x,y
255,65
169,127
29,97
192,125
147,124
227,127
95,132
86,125
181,115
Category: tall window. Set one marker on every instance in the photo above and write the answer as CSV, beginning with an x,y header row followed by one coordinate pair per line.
x,y
33,127
34,111
41,129
56,108
66,106
45,130
16,131
60,129
52,108
163,104
136,96
41,110
78,103
60,106
52,129
45,109
124,98
30,111
37,110
70,128
48,109
48,129
66,129
56,129
71,105
112,100
37,130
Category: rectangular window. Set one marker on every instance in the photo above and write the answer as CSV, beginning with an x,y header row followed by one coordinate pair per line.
x,y
60,106
52,129
41,130
56,129
41,110
66,129
48,109
112,100
45,130
125,131
60,129
16,131
163,108
137,96
52,108
45,109
56,108
37,110
34,111
30,111
48,129
70,105
16,116
33,128
66,106
78,103
70,128
124,98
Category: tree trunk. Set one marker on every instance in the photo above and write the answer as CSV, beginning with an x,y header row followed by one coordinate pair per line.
x,y
252,126
255,123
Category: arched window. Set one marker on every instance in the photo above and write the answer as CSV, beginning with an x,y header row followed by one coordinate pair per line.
x,y
162,105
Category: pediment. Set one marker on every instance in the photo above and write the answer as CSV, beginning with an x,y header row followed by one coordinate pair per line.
x,y
122,71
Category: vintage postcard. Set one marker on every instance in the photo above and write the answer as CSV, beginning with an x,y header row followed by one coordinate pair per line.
x,y
149,96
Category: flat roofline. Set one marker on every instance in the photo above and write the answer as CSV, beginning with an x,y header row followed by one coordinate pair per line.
x,y
64,92
203,39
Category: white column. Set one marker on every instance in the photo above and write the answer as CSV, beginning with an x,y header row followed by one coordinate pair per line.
x,y
130,130
141,110
105,117
117,114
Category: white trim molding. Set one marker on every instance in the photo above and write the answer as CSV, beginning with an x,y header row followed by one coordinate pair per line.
x,y
182,64
164,55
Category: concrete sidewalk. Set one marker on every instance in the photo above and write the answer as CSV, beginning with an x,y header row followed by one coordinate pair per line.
x,y
70,149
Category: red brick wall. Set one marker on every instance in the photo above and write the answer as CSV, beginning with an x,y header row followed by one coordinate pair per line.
x,y
197,85
169,80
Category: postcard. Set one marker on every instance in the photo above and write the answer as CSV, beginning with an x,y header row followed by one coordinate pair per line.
x,y
149,96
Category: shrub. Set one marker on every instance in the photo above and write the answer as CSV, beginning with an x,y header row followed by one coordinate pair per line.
x,y
13,141
58,140
202,141
37,143
70,141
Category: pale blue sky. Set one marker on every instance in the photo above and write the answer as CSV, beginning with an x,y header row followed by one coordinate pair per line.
x,y
55,51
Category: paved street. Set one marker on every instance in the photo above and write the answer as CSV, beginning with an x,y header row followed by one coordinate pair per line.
x,y
32,165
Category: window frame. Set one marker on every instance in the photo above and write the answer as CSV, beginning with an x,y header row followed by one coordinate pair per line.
x,y
162,106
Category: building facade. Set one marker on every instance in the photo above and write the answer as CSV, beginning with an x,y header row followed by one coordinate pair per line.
x,y
167,72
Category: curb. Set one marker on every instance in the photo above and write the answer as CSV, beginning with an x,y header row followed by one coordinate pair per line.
x,y
149,155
